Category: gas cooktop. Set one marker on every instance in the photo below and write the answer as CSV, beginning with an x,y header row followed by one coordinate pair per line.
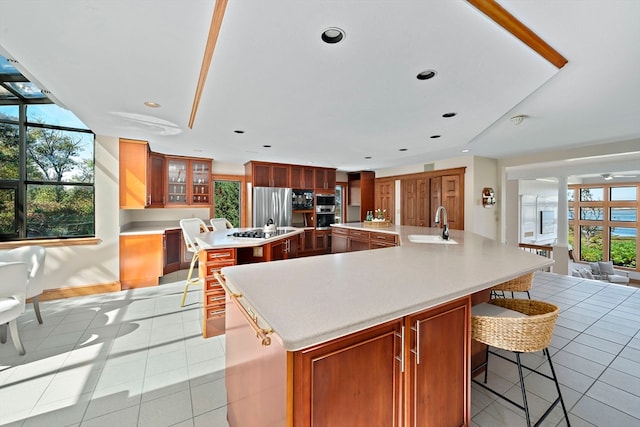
x,y
257,233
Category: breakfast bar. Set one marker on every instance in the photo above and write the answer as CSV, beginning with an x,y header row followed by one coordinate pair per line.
x,y
378,337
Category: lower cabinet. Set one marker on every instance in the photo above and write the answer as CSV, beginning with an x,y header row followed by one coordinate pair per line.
x,y
412,371
141,260
284,249
211,261
351,240
339,240
172,246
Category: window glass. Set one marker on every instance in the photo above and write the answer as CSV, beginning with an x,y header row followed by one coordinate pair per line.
x,y
591,194
9,152
59,156
338,204
591,214
623,246
226,199
59,210
571,214
8,208
9,112
623,214
571,195
623,193
52,114
590,243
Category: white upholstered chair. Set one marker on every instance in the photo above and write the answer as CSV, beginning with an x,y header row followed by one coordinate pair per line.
x,y
220,224
12,300
190,228
33,257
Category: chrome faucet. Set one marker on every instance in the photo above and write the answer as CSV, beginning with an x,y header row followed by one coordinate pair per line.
x,y
445,223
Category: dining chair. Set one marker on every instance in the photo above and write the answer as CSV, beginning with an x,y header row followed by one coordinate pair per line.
x,y
220,224
12,300
34,258
190,228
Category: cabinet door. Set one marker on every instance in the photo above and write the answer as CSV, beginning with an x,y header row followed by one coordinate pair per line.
x,y
141,260
280,176
339,240
200,182
355,378
438,370
172,250
322,240
177,181
409,198
385,197
296,177
261,175
277,250
308,181
155,181
133,165
331,179
422,202
292,250
452,195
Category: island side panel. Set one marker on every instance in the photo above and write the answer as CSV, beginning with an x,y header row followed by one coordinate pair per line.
x,y
256,375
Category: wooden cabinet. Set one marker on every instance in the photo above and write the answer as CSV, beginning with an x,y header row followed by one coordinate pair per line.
x,y
412,371
284,249
188,182
322,241
384,196
351,240
361,195
302,177
325,179
267,174
141,260
421,194
339,240
173,250
211,261
140,174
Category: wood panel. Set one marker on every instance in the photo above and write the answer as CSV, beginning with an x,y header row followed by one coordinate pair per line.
x,y
133,162
452,199
385,197
408,188
141,260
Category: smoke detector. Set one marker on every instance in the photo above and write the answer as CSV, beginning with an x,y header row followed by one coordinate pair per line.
x,y
516,120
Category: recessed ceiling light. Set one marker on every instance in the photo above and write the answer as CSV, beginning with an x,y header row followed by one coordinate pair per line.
x,y
197,150
152,104
266,146
426,75
466,150
447,115
434,136
332,35
403,149
367,157
238,131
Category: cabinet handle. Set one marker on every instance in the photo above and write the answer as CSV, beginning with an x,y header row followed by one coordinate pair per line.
x,y
416,351
401,357
262,334
220,255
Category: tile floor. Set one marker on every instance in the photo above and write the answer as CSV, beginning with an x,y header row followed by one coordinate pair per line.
x,y
135,358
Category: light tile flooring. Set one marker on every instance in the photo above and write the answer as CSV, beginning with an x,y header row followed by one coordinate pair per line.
x,y
135,358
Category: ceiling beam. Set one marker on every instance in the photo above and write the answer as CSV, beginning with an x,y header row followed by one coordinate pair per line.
x,y
214,30
510,23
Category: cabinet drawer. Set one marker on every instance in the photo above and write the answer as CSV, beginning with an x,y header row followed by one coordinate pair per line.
x,y
220,256
215,311
377,245
213,268
337,231
358,234
383,237
214,299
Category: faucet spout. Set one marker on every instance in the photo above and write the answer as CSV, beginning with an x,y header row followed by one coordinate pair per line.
x,y
445,223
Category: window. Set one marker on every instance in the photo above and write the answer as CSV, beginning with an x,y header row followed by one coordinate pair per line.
x,y
46,165
227,200
607,225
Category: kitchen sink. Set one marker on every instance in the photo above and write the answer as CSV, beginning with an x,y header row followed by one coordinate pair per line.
x,y
430,238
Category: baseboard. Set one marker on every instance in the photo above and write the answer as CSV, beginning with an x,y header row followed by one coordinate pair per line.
x,y
76,291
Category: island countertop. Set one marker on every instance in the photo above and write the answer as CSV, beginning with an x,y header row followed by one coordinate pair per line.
x,y
307,301
223,239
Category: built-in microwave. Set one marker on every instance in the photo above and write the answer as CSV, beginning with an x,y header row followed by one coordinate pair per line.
x,y
325,199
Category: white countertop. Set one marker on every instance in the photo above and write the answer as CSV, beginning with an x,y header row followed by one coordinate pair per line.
x,y
311,300
225,239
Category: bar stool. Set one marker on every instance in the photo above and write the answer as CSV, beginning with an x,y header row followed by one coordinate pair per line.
x,y
520,326
519,284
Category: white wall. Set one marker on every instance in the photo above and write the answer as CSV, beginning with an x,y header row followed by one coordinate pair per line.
x,y
484,221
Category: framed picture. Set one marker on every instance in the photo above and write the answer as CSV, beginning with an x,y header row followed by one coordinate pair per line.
x,y
547,222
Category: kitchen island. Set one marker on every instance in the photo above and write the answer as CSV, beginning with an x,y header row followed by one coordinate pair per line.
x,y
361,338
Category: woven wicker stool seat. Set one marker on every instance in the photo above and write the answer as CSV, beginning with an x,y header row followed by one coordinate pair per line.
x,y
520,326
519,284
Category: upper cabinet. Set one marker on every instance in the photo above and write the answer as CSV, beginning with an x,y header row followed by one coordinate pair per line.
x,y
188,181
153,180
140,172
268,174
302,177
361,186
325,179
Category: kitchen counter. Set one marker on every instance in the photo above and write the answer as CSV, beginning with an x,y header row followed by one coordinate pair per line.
x,y
224,238
307,301
149,227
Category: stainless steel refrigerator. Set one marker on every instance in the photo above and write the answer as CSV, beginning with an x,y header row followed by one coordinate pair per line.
x,y
272,203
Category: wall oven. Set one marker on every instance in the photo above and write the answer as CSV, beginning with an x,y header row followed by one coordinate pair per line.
x,y
325,211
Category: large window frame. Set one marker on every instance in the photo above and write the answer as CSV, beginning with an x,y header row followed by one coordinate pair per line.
x,y
587,215
24,185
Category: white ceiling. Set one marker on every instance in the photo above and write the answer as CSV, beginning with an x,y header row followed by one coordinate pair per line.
x,y
272,76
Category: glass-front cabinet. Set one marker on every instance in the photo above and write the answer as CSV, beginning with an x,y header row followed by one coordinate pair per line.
x,y
200,182
188,182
